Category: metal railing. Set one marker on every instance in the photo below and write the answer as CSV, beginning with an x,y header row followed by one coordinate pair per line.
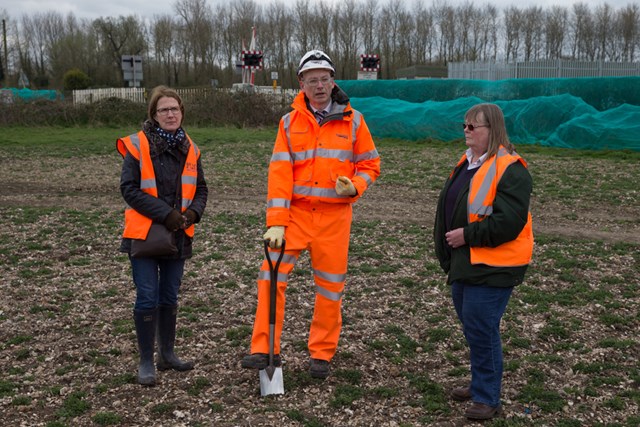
x,y
541,69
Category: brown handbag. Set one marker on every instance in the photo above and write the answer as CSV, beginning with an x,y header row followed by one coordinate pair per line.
x,y
159,242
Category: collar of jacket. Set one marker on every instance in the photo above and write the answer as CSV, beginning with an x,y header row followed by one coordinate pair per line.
x,y
340,103
157,144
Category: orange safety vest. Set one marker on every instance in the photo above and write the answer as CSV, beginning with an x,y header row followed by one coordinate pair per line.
x,y
482,193
136,225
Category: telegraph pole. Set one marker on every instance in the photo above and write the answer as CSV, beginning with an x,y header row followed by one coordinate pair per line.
x,y
6,60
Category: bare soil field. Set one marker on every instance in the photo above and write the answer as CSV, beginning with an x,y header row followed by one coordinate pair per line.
x,y
68,353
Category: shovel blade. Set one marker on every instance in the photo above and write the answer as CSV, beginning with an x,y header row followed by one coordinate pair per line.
x,y
273,385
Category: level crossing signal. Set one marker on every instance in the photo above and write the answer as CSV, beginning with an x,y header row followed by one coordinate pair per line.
x,y
252,59
369,62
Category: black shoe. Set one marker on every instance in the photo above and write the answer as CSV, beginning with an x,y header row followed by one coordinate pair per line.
x,y
259,361
318,368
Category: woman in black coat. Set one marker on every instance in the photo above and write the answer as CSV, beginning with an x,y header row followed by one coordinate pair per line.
x,y
163,184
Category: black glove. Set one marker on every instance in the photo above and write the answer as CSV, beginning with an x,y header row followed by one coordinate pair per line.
x,y
191,217
174,220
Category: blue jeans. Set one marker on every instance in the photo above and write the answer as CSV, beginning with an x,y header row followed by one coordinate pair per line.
x,y
480,309
157,281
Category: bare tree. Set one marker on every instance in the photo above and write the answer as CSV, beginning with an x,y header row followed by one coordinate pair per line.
x,y
555,28
34,53
582,35
491,28
346,23
603,19
164,32
369,23
424,36
512,38
197,25
120,36
629,25
532,32
465,49
446,22
302,21
322,28
74,44
276,42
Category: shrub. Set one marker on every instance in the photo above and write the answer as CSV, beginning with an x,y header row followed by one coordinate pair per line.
x,y
75,79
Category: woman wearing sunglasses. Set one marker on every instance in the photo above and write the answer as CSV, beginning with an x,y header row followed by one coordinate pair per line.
x,y
484,242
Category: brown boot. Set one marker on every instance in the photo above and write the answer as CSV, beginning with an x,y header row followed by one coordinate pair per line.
x,y
480,411
461,394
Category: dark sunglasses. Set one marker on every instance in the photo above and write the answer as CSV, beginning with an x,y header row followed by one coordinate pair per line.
x,y
472,127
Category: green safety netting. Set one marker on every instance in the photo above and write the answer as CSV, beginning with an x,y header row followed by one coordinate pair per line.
x,y
584,113
30,95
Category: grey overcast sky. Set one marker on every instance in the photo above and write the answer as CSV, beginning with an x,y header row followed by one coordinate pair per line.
x,y
92,9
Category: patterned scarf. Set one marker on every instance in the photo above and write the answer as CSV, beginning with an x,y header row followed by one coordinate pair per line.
x,y
172,139
160,140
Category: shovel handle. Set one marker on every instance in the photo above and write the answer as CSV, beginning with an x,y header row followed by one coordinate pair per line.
x,y
273,275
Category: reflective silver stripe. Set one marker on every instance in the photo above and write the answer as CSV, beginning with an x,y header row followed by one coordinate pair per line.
x,y
335,154
367,155
279,203
365,176
286,123
186,203
330,277
299,156
287,259
355,124
135,141
265,275
144,183
333,296
324,153
188,179
477,205
302,190
147,183
280,157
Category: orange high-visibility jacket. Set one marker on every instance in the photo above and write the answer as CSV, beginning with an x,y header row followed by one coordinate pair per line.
x,y
308,158
136,225
482,193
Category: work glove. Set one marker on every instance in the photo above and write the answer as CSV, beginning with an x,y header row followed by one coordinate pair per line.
x,y
174,220
275,236
190,218
344,187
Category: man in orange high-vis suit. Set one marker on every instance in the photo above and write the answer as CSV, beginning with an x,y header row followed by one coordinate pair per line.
x,y
323,160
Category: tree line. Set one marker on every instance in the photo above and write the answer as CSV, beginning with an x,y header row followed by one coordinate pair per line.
x,y
200,42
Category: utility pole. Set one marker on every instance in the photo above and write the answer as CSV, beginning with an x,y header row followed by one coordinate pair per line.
x,y
6,56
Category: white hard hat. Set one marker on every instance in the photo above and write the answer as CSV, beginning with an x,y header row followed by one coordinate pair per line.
x,y
315,60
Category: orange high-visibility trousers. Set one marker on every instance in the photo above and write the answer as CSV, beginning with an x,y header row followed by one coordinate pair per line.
x,y
323,229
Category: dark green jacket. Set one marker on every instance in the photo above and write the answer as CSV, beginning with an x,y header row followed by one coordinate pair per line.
x,y
510,210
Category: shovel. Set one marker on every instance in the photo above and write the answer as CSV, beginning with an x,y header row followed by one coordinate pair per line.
x,y
271,381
